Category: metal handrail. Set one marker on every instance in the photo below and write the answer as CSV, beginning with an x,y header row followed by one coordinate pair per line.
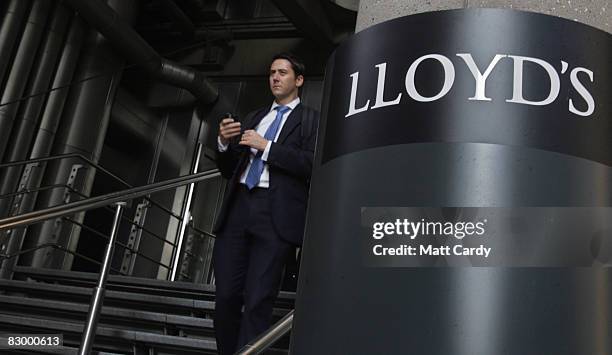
x,y
106,238
21,252
103,200
186,214
269,337
256,346
83,196
194,178
124,218
183,219
91,163
27,191
119,199
38,160
58,247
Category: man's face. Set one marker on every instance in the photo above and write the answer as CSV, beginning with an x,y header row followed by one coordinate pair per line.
x,y
283,82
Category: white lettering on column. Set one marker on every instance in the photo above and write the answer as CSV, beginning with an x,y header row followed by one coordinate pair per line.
x,y
352,109
380,89
517,90
481,78
582,91
449,78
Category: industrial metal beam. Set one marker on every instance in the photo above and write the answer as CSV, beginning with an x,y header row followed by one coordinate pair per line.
x,y
310,18
137,50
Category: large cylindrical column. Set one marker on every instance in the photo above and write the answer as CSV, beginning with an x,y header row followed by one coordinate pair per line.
x,y
9,32
52,113
22,64
416,129
82,130
594,13
43,141
27,119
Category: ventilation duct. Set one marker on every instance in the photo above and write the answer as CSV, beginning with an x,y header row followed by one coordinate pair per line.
x,y
137,50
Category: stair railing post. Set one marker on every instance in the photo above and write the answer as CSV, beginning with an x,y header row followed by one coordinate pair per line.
x,y
176,255
98,296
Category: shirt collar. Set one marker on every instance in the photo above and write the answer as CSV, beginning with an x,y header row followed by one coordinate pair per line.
x,y
291,105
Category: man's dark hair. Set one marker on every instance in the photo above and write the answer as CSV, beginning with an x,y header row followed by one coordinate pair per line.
x,y
296,63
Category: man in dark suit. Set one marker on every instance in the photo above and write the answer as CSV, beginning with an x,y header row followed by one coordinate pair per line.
x,y
263,213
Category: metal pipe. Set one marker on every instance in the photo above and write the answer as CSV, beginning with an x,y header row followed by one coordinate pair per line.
x,y
15,85
11,27
72,142
138,51
103,200
57,98
98,297
82,130
20,71
52,113
27,119
176,255
269,337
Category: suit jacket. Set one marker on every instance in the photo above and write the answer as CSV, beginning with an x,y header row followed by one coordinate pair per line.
x,y
290,166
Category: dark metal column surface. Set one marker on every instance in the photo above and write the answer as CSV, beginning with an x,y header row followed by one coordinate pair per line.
x,y
82,130
9,32
28,117
51,116
20,71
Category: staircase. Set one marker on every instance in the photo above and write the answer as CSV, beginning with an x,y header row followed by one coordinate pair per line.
x,y
139,316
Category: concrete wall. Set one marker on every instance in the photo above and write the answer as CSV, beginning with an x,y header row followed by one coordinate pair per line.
x,y
597,13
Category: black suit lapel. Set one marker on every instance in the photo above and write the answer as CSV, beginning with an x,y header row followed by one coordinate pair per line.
x,y
293,120
257,117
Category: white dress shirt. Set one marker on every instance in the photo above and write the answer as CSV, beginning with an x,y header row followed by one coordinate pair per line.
x,y
261,129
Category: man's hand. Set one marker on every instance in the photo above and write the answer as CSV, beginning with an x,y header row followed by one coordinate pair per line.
x,y
228,129
252,139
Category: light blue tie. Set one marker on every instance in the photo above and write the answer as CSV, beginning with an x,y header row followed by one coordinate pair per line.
x,y
257,165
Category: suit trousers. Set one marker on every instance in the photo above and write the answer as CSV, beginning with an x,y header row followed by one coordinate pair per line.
x,y
248,258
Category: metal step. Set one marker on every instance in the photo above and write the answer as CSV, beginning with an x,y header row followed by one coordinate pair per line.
x,y
160,323
142,284
130,300
109,338
177,289
139,308
62,350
